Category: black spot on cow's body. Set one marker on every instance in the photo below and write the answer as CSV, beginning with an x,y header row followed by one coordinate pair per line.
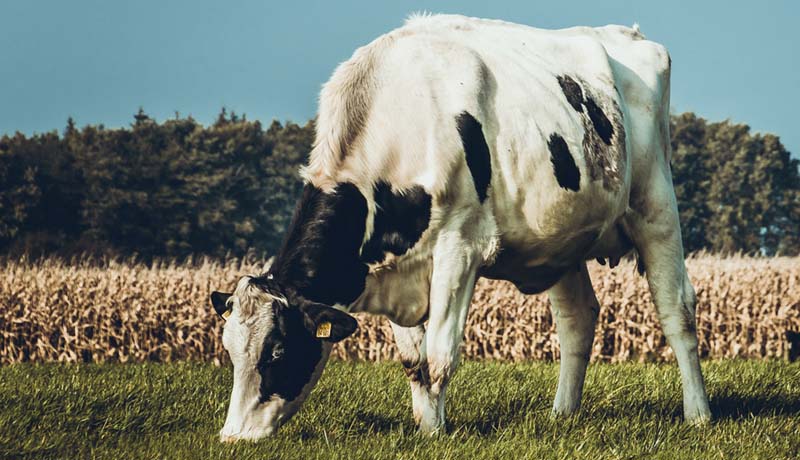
x,y
567,173
572,90
600,121
319,257
476,151
400,219
600,130
577,99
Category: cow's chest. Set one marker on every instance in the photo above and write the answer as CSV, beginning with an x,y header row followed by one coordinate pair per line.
x,y
398,291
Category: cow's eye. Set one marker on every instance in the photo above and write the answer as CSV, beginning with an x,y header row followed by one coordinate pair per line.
x,y
276,354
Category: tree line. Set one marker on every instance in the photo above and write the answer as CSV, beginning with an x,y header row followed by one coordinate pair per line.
x,y
177,188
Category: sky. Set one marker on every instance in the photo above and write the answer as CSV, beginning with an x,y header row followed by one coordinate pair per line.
x,y
100,60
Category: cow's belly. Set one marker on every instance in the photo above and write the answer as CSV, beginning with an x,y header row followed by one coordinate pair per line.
x,y
535,266
544,233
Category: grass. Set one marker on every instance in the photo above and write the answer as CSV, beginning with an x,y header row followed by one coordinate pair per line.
x,y
362,410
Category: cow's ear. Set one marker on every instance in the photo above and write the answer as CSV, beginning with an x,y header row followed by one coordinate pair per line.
x,y
220,302
327,323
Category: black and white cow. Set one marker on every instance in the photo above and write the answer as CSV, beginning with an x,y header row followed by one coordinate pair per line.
x,y
453,148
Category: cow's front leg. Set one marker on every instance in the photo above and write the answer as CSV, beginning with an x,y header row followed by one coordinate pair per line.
x,y
452,284
410,343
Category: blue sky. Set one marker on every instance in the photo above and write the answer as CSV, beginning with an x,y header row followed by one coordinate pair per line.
x,y
99,61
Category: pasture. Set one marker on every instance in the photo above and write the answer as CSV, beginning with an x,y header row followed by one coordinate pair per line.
x,y
362,410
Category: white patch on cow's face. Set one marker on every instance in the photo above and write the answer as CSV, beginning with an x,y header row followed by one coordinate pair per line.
x,y
252,319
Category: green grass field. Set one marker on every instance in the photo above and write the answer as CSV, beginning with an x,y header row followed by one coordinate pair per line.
x,y
364,411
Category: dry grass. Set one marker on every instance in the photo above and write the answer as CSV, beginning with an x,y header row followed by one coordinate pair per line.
x,y
119,312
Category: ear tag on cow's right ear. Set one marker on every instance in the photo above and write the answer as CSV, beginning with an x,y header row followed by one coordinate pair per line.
x,y
324,330
226,314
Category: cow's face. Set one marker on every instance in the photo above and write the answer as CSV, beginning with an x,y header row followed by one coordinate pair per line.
x,y
278,346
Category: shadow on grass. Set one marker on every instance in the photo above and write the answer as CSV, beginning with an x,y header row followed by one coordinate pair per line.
x,y
495,417
371,422
725,407
734,407
492,419
738,407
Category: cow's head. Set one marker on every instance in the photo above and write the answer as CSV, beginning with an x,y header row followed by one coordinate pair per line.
x,y
278,343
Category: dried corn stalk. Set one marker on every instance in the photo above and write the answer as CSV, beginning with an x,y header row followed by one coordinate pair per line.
x,y
125,311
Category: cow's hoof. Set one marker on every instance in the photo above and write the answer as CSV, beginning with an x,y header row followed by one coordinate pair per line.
x,y
431,431
562,415
699,420
564,411
697,414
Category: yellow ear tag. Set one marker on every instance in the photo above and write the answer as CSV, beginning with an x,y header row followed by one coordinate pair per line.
x,y
226,314
324,330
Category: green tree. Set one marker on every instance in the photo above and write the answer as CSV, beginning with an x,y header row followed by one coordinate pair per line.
x,y
737,191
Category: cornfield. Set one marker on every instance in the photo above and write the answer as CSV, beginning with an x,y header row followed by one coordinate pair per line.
x,y
120,311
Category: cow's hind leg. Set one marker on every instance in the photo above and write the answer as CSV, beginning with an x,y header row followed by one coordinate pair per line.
x,y
656,232
575,310
410,343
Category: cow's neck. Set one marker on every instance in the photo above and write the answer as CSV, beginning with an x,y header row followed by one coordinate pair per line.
x,y
320,254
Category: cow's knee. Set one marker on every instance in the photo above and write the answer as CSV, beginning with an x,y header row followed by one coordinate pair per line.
x,y
679,320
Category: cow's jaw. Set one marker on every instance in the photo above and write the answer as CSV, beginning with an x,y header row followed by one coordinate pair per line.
x,y
249,419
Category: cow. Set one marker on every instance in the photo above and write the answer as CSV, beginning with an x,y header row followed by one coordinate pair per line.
x,y
454,148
